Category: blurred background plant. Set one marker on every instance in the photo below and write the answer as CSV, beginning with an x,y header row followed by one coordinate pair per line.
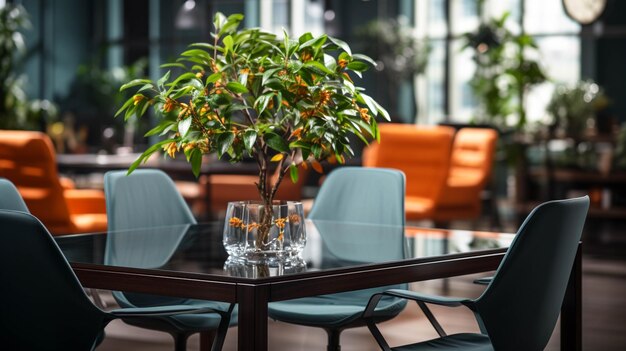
x,y
573,108
504,73
93,98
16,110
399,55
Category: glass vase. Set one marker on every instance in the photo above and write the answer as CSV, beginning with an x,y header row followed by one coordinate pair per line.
x,y
259,233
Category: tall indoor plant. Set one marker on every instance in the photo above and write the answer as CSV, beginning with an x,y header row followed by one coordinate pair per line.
x,y
17,111
250,93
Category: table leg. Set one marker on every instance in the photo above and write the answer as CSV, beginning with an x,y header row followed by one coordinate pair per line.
x,y
571,310
252,327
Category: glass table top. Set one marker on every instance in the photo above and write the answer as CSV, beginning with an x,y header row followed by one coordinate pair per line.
x,y
330,245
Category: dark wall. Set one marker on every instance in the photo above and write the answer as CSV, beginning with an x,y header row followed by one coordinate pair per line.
x,y
58,43
611,57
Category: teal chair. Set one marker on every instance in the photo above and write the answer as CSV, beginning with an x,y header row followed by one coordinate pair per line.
x,y
519,308
43,305
352,195
10,198
143,199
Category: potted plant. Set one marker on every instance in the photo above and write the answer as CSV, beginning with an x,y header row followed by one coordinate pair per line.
x,y
16,110
504,73
572,107
399,53
283,102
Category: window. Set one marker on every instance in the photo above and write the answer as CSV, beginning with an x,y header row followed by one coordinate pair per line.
x,y
448,93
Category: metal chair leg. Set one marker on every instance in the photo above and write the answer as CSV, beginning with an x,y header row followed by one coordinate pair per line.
x,y
180,341
333,340
206,340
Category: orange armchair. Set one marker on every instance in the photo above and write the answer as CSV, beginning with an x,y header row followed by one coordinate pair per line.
x,y
223,188
470,169
28,160
423,154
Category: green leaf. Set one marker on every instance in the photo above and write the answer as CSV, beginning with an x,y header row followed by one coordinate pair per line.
x,y
276,142
364,58
145,87
164,79
317,151
342,44
330,62
249,138
231,23
237,87
184,125
358,66
196,162
382,111
315,42
261,103
371,104
228,44
207,46
182,77
144,107
224,141
173,64
197,53
159,128
294,66
214,77
317,68
304,38
134,83
144,156
126,104
274,83
218,21
293,172
268,73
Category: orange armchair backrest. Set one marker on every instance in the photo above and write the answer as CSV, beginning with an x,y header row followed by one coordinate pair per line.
x,y
421,152
28,160
472,155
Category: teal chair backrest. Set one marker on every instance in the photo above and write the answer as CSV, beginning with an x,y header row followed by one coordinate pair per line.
x,y
10,198
362,195
520,307
145,198
43,305
368,196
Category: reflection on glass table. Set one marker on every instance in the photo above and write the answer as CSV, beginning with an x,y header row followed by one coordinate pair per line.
x,y
330,245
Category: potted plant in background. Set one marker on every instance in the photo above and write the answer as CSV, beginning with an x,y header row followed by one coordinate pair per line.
x,y
286,103
400,55
573,107
16,110
504,73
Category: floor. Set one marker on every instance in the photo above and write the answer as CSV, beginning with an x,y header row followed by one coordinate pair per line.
x,y
604,325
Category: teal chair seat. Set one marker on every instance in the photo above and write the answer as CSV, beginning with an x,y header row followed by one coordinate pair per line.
x,y
367,196
520,306
463,341
148,202
332,311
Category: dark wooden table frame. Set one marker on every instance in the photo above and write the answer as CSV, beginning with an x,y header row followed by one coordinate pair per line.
x,y
253,295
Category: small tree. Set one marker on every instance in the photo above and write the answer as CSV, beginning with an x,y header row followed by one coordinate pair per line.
x,y
249,93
